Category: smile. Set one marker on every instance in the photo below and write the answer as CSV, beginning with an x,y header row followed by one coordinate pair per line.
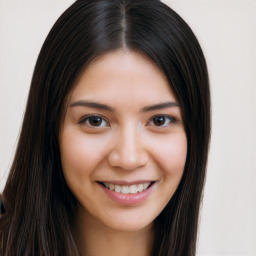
x,y
128,194
131,189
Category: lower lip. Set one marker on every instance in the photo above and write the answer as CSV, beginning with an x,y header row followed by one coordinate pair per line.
x,y
129,199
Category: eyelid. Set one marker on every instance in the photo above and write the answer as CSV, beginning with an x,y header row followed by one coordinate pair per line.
x,y
172,121
85,118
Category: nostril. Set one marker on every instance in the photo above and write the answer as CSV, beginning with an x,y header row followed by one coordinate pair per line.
x,y
128,160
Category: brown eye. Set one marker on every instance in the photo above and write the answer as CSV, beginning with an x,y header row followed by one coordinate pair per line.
x,y
162,121
159,120
94,121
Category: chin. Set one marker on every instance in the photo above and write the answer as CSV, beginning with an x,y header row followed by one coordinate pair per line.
x,y
127,222
128,226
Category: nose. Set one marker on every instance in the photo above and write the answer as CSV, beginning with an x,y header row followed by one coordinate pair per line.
x,y
128,151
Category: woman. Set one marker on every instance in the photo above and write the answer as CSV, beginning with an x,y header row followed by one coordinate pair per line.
x,y
112,153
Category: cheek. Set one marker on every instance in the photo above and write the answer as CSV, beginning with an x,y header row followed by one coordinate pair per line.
x,y
78,161
80,154
171,155
72,154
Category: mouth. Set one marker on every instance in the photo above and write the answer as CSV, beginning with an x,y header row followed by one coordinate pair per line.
x,y
127,189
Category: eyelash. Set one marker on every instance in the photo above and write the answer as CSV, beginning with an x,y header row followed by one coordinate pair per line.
x,y
171,120
168,120
85,120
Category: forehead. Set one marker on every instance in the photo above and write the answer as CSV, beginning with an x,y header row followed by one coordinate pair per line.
x,y
126,74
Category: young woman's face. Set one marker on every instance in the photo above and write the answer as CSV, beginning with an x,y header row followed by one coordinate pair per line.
x,y
123,145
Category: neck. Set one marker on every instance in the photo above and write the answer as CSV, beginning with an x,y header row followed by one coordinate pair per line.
x,y
94,238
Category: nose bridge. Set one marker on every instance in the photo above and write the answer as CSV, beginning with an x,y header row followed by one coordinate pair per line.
x,y
128,151
129,141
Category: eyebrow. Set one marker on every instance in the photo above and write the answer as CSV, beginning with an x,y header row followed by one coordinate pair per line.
x,y
91,105
160,106
97,105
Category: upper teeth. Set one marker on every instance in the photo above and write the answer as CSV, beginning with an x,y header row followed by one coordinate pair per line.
x,y
131,189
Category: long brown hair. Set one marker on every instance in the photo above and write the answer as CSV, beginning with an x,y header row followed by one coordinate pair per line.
x,y
37,208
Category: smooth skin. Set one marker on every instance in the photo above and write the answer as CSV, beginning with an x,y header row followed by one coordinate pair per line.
x,y
123,124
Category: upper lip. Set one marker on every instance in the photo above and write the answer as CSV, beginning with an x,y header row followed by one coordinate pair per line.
x,y
126,183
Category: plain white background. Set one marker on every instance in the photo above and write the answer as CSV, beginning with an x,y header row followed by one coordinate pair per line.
x,y
226,30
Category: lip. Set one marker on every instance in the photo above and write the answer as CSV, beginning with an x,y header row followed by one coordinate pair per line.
x,y
128,199
126,183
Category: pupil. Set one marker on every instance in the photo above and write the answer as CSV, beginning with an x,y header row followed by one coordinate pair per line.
x,y
95,120
159,120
